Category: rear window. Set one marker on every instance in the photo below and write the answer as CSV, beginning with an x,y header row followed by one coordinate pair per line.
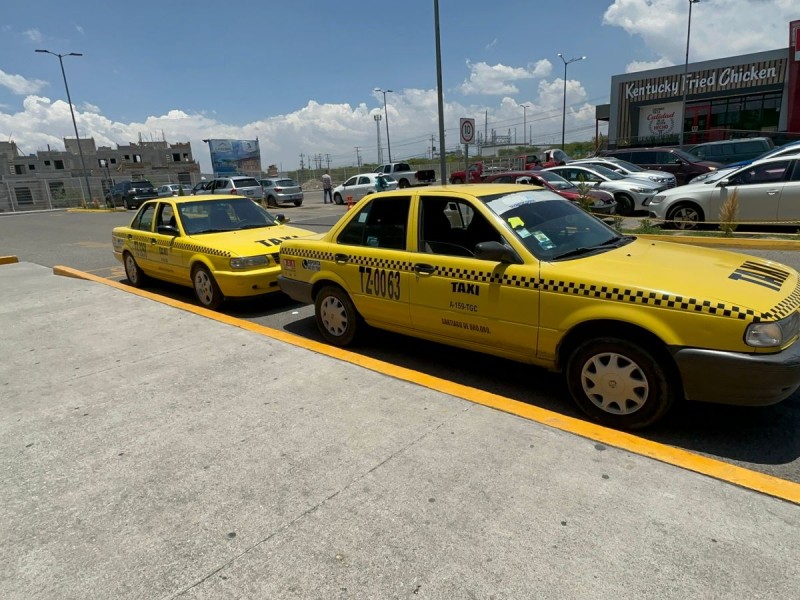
x,y
143,183
286,182
246,182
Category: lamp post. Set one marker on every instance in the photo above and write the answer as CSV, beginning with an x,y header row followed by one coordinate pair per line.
x,y
386,114
564,109
524,109
74,123
378,118
686,72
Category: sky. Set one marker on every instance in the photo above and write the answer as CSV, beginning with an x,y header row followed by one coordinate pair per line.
x,y
300,76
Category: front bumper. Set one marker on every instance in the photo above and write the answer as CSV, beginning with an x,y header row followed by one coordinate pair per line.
x,y
240,284
737,378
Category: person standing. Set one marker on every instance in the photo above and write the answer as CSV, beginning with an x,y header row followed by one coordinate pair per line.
x,y
327,188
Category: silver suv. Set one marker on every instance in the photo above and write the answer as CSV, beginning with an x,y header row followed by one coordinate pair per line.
x,y
240,185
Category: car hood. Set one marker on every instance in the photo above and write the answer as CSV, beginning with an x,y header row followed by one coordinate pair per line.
x,y
248,242
629,183
682,277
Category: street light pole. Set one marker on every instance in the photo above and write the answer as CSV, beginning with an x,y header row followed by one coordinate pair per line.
x,y
564,109
386,114
378,118
74,123
524,127
686,73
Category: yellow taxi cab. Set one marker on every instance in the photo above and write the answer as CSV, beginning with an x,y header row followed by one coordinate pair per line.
x,y
518,272
221,245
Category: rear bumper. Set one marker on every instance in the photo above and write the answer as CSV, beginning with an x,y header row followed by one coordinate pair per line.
x,y
737,378
297,290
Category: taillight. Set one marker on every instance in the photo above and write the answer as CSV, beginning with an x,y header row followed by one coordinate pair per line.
x,y
234,191
277,189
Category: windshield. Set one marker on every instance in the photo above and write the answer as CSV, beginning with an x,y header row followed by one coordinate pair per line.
x,y
552,228
558,182
687,156
628,166
606,172
214,216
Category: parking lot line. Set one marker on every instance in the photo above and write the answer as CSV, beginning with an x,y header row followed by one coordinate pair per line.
x,y
759,482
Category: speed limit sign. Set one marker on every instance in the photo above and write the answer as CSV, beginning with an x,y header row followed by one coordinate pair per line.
x,y
467,128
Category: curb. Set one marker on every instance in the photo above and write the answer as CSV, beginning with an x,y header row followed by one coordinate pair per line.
x,y
769,485
7,260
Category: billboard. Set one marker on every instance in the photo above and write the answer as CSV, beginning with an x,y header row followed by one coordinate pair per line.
x,y
235,156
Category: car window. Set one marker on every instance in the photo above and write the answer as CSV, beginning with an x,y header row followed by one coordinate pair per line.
x,y
286,182
625,156
452,227
166,215
381,223
363,180
245,182
351,181
772,172
795,176
403,167
144,220
665,158
646,158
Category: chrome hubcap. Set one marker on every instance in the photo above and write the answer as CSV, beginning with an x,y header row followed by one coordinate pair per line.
x,y
614,383
131,270
203,287
685,218
333,315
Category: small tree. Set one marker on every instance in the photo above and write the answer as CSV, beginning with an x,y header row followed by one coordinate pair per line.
x,y
585,200
728,213
180,190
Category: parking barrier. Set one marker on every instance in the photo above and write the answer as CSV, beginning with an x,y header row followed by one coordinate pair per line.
x,y
349,202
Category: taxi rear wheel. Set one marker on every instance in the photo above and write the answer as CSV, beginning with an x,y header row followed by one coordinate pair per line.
x,y
337,318
135,275
205,288
618,383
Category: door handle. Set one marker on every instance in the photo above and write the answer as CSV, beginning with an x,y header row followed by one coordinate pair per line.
x,y
130,236
424,269
152,241
341,258
772,192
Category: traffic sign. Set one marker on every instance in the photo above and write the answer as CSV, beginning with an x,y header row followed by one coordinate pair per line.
x,y
467,129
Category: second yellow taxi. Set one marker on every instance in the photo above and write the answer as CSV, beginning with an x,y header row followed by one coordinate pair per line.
x,y
223,246
517,271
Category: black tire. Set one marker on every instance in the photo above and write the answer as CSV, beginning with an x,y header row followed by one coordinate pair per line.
x,y
133,272
271,201
205,287
403,184
685,216
337,318
298,202
125,204
624,204
618,383
456,180
337,198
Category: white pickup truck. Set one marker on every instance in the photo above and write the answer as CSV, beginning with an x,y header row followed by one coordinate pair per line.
x,y
405,175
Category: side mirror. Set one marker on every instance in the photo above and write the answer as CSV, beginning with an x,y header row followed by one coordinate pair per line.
x,y
724,182
678,161
168,230
281,218
497,252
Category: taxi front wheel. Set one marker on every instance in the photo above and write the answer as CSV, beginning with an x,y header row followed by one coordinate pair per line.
x,y
618,383
132,271
337,318
206,288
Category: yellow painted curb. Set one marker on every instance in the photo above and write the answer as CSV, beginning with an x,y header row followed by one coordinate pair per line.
x,y
7,260
728,242
93,210
752,480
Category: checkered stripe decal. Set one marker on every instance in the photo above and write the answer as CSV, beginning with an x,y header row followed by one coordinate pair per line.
x,y
182,246
303,253
615,294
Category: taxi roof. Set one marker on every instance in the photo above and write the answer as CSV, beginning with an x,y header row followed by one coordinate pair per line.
x,y
200,198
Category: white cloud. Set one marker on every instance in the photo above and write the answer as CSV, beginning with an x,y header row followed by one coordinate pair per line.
x,y
19,85
491,44
79,29
640,65
33,35
720,28
495,79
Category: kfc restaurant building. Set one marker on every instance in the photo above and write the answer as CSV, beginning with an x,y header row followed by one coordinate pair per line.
x,y
740,96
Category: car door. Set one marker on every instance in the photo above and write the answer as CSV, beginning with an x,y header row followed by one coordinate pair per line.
x,y
789,205
372,257
758,190
362,188
170,263
458,296
140,241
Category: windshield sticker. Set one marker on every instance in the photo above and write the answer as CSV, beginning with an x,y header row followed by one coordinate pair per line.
x,y
311,265
545,242
516,222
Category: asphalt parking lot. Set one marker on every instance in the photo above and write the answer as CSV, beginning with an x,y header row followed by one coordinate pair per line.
x,y
159,451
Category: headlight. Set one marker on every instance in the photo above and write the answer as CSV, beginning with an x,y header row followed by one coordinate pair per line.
x,y
641,190
774,334
712,168
658,199
248,262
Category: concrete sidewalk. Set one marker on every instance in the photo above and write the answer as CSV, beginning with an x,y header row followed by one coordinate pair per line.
x,y
149,452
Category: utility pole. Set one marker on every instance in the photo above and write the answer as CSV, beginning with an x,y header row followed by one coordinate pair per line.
x,y
328,162
378,118
300,177
358,156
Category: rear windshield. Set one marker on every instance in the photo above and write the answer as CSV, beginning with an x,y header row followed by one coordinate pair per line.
x,y
246,182
141,184
286,182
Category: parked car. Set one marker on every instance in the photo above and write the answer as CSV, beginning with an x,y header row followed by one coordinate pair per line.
x,y
683,165
767,191
628,169
405,175
171,189
603,202
199,187
279,190
222,246
630,194
358,186
517,272
131,194
786,149
729,151
240,185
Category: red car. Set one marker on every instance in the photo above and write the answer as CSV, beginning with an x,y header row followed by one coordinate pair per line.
x,y
604,201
